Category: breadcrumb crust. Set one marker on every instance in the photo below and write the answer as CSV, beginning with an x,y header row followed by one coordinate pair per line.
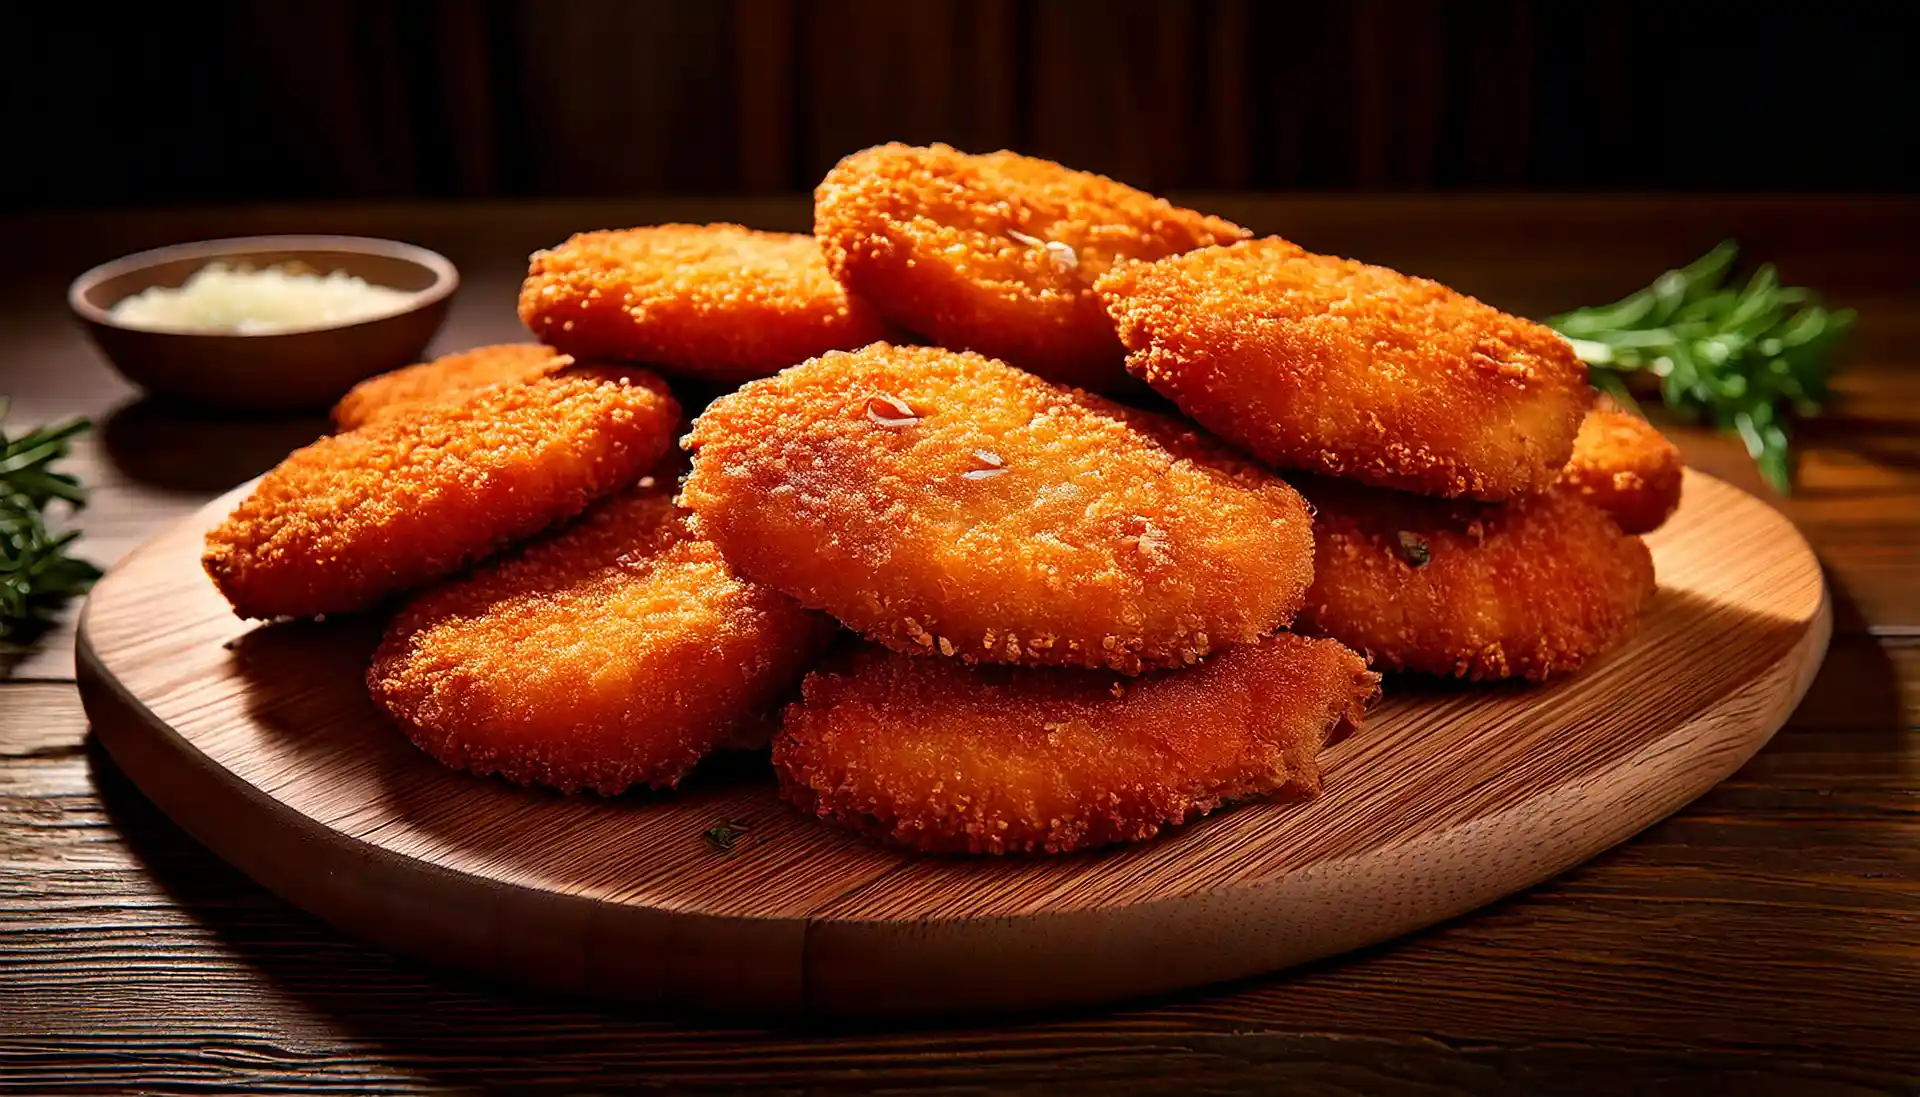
x,y
448,377
1528,589
938,756
1624,466
651,654
720,302
1336,367
355,517
997,253
948,504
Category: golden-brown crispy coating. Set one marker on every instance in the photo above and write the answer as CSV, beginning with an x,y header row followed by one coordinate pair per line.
x,y
416,496
1337,367
720,302
448,377
1624,466
1524,589
945,503
943,757
997,253
618,652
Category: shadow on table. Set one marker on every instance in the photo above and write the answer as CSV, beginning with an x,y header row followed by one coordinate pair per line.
x,y
1887,443
172,446
1730,974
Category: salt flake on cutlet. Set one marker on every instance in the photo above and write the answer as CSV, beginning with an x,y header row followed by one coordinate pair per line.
x,y
889,410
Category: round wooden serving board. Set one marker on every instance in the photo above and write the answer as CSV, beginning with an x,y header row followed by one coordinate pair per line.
x,y
260,740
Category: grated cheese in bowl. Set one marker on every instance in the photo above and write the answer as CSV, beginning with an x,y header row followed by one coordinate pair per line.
x,y
244,301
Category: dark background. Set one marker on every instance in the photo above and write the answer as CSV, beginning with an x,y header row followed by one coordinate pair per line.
x,y
217,102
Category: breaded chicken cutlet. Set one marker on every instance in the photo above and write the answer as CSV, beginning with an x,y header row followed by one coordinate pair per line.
x,y
448,377
997,253
938,756
414,497
651,654
1340,368
948,504
1624,466
1531,588
718,302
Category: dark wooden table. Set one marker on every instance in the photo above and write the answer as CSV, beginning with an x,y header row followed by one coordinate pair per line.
x,y
1764,940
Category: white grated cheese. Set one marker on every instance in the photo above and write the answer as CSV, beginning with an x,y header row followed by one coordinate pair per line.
x,y
244,301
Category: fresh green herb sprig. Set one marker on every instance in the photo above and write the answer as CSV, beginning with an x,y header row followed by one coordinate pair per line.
x,y
722,835
1743,358
37,575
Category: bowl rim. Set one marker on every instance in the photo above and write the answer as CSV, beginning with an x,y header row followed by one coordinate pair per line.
x,y
446,277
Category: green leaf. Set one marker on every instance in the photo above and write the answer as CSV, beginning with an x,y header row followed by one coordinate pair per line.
x,y
1744,359
721,836
37,574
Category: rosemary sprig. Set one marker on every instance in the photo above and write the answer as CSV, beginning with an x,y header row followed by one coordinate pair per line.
x,y
37,576
1742,358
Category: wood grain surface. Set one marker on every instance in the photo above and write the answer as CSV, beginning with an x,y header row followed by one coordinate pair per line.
x,y
262,742
1766,939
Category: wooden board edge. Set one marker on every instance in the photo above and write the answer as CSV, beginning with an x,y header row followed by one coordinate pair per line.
x,y
774,966
940,968
544,941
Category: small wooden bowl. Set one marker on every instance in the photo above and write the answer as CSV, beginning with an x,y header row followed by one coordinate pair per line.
x,y
283,371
